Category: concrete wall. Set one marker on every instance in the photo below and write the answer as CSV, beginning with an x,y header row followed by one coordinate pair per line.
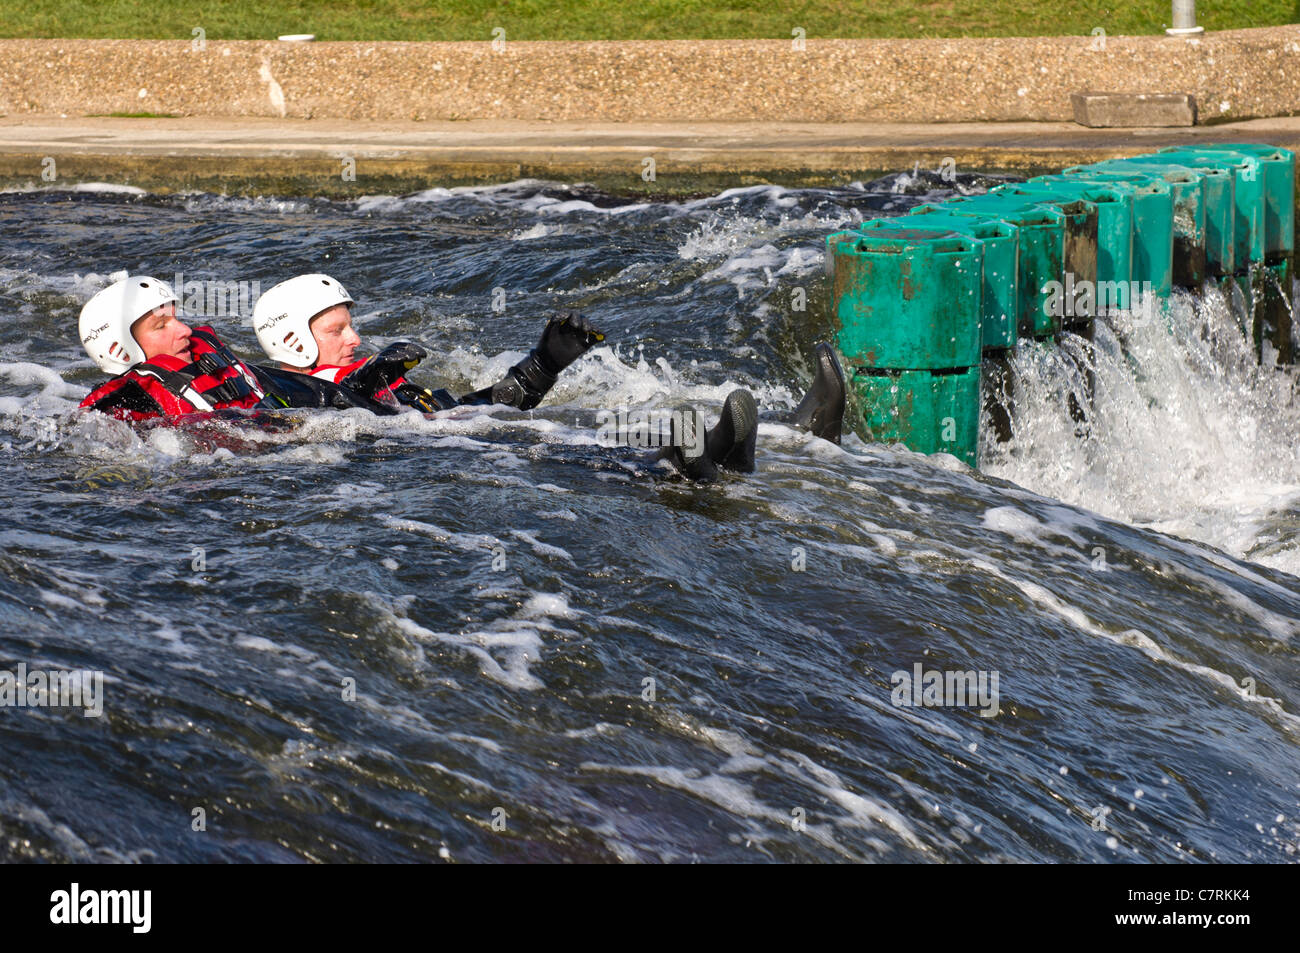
x,y
1233,75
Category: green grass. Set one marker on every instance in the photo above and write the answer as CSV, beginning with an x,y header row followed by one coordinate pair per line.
x,y
615,19
134,115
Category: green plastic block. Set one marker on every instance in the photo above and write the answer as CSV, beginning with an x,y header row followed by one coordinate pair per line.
x,y
925,411
1040,232
1191,190
907,299
1279,194
1153,224
1079,248
1218,198
1248,196
1114,232
998,281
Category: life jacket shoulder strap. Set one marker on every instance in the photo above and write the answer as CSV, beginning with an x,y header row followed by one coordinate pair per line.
x,y
179,383
214,379
213,343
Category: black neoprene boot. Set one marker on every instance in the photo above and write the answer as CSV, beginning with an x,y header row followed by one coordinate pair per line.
x,y
822,409
689,451
731,443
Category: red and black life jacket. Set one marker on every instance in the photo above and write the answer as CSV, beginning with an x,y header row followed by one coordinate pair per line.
x,y
166,386
338,374
383,392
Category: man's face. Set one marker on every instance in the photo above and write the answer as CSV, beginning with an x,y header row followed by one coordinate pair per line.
x,y
161,332
332,329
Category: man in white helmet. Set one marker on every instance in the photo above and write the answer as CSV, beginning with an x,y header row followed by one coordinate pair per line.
x,y
161,367
305,324
164,368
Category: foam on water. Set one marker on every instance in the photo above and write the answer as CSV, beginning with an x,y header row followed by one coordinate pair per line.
x,y
731,785
208,204
50,381
90,188
505,649
500,587
1189,434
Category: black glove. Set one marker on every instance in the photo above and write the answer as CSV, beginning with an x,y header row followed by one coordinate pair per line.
x,y
389,365
566,337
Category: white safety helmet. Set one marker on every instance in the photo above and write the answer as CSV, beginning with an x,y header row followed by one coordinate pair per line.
x,y
105,324
282,317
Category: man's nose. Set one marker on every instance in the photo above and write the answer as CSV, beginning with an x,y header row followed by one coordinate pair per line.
x,y
353,338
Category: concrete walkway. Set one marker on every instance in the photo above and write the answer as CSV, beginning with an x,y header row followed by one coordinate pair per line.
x,y
285,156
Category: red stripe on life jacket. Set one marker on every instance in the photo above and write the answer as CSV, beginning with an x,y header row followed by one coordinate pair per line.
x,y
336,373
173,385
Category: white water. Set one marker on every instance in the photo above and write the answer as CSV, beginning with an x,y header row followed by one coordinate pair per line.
x,y
1191,436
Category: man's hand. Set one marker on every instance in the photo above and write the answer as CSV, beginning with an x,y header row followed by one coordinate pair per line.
x,y
566,337
389,365
422,399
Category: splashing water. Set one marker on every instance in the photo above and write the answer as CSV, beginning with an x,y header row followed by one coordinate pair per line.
x,y
483,636
1190,434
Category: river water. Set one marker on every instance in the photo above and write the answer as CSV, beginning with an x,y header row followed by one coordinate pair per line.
x,y
484,636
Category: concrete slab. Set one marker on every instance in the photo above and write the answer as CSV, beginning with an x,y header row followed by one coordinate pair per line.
x,y
1234,74
1119,110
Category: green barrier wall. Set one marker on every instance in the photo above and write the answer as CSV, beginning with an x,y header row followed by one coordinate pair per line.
x,y
1114,230
908,299
939,412
1190,207
1248,198
1040,235
921,299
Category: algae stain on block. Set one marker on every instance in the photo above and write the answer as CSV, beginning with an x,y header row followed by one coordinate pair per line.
x,y
926,411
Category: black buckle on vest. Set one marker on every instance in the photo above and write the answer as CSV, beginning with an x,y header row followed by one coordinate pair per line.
x,y
215,364
231,389
209,364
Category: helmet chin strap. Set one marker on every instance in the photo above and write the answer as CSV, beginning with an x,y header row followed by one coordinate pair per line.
x,y
311,368
299,370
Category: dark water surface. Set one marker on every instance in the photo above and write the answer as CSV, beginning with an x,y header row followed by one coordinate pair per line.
x,y
560,653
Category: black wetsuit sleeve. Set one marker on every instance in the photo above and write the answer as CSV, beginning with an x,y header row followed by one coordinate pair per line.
x,y
287,389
